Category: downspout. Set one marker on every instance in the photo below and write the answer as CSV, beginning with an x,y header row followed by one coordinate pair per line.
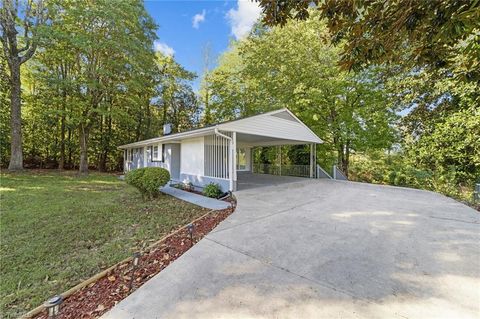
x,y
230,161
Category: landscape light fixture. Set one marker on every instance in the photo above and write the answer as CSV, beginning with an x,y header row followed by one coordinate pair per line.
x,y
136,259
190,232
135,262
53,306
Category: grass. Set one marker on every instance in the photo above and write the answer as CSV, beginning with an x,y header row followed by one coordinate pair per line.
x,y
58,229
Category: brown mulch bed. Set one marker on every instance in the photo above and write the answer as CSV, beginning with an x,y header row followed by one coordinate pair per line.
x,y
100,296
226,199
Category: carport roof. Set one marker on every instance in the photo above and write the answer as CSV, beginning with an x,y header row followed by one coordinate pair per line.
x,y
280,124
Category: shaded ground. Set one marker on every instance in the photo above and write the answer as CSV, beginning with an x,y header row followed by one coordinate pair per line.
x,y
58,229
325,249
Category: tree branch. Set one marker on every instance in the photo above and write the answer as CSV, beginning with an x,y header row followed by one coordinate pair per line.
x,y
31,44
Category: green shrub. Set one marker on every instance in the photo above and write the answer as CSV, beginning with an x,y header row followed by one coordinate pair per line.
x,y
401,180
212,190
148,180
391,177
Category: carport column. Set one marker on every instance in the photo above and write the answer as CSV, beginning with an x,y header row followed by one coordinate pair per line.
x,y
234,162
280,150
312,160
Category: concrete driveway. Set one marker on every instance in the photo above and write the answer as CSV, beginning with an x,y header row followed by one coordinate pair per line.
x,y
324,249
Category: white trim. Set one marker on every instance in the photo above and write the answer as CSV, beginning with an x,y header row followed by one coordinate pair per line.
x,y
223,126
174,138
159,157
304,125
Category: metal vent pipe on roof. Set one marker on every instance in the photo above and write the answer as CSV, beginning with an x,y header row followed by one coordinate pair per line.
x,y
167,129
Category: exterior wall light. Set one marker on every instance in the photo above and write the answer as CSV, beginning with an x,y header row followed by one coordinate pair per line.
x,y
53,306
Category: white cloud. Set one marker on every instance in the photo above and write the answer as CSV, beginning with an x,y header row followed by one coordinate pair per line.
x,y
164,48
198,18
244,17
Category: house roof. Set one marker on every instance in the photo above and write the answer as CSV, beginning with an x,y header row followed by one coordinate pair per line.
x,y
280,124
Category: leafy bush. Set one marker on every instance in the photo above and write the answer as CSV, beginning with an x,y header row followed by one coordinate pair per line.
x,y
148,180
212,190
401,180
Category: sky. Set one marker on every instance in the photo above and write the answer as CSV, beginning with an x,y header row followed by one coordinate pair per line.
x,y
187,28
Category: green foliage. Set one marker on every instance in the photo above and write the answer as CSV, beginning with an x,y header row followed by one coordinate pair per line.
x,y
452,144
4,112
435,33
290,67
148,180
397,170
212,190
96,75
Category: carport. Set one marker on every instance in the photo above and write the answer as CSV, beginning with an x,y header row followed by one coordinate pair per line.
x,y
274,129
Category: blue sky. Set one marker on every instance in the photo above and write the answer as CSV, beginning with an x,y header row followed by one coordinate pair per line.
x,y
185,28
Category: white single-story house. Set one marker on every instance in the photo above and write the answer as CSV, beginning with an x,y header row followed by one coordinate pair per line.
x,y
216,153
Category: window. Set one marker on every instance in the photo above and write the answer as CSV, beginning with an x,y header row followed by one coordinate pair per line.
x,y
157,153
241,159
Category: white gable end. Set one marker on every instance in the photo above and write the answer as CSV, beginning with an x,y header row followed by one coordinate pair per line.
x,y
279,124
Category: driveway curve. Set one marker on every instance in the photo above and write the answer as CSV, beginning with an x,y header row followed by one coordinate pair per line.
x,y
302,248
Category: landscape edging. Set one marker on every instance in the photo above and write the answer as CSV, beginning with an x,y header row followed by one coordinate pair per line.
x,y
105,272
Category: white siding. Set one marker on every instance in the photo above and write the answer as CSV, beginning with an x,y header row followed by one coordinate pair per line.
x,y
192,156
272,126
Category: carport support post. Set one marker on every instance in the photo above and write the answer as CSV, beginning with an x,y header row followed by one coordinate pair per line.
x,y
280,155
234,162
312,160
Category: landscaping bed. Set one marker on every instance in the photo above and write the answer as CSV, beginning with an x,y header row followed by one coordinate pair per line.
x,y
58,229
101,295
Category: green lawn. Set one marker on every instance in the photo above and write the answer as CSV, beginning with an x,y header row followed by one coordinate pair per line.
x,y
58,229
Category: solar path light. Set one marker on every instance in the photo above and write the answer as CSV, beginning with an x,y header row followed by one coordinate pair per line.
x,y
135,262
53,306
190,232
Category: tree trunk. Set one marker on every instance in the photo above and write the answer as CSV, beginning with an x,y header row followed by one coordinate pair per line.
x,y
16,154
69,139
61,163
83,134
100,159
149,121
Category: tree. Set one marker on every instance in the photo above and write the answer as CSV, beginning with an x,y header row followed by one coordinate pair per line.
x,y
19,41
451,145
290,67
4,112
109,52
176,99
424,33
96,72
205,89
